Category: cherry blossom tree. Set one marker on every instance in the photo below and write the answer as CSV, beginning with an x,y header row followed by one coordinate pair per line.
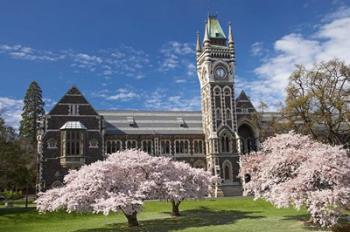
x,y
121,183
184,181
294,170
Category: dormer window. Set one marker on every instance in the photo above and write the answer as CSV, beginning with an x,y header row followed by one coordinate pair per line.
x,y
181,122
131,121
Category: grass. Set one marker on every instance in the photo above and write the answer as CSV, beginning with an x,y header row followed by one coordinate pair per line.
x,y
223,214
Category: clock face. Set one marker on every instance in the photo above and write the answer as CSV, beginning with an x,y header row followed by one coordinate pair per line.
x,y
220,73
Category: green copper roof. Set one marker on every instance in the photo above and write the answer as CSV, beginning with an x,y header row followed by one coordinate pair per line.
x,y
214,29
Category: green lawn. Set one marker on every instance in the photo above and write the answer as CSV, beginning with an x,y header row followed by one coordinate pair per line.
x,y
223,214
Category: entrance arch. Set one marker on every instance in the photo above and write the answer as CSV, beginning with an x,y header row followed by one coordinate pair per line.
x,y
227,171
248,138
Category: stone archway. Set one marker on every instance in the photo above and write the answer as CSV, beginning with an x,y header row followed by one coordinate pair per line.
x,y
248,138
227,171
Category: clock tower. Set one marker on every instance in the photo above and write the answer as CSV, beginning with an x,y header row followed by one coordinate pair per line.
x,y
216,72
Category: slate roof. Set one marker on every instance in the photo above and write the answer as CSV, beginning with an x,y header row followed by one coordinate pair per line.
x,y
243,101
153,122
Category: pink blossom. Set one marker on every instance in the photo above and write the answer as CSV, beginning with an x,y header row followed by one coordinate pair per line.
x,y
122,182
292,169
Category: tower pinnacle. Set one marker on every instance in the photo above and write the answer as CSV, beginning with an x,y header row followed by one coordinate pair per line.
x,y
206,38
230,36
198,44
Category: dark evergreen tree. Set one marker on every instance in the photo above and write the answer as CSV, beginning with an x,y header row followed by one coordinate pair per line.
x,y
33,110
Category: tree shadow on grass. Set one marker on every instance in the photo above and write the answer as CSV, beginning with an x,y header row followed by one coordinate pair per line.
x,y
304,219
342,226
189,218
18,214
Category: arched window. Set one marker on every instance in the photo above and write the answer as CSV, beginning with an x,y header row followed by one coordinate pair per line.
x,y
227,170
225,143
228,114
114,146
218,114
131,144
147,146
165,147
181,146
227,92
198,146
217,91
248,140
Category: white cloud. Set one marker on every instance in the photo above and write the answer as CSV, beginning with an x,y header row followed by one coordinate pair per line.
x,y
124,61
159,100
330,40
175,54
257,49
124,95
26,53
10,111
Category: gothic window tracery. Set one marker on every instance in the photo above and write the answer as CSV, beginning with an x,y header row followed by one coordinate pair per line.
x,y
131,144
181,146
227,170
114,146
228,114
73,142
147,146
198,146
165,146
225,143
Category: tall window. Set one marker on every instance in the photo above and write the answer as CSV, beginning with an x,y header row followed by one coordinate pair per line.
x,y
228,114
198,146
131,144
227,167
114,146
73,109
181,146
165,147
73,142
147,146
218,114
225,143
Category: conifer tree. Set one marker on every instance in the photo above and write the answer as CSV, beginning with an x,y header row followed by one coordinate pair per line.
x,y
33,109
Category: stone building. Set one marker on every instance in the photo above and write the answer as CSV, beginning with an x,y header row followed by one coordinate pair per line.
x,y
73,133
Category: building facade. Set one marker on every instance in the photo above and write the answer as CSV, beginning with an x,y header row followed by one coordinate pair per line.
x,y
73,133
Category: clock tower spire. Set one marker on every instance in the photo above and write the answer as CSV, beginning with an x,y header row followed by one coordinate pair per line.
x,y
216,73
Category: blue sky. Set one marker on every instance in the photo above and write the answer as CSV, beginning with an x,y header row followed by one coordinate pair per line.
x,y
140,54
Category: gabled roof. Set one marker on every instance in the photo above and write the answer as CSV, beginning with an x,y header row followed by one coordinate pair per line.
x,y
72,96
74,90
243,96
243,101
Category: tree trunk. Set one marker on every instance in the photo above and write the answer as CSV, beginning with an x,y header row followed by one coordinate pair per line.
x,y
132,219
175,206
26,204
